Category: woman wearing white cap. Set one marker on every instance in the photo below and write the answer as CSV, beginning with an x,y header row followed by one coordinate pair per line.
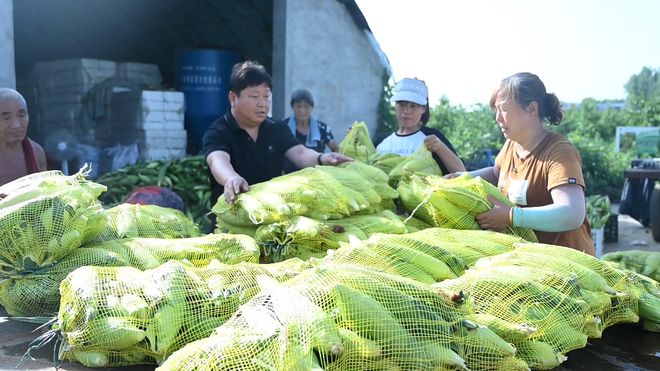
x,y
412,114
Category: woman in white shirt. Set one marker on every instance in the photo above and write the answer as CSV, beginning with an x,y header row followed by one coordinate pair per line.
x,y
412,113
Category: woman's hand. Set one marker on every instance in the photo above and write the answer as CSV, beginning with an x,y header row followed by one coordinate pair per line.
x,y
497,218
234,186
433,143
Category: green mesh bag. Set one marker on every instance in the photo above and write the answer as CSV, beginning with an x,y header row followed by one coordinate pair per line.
x,y
148,253
339,317
414,224
469,245
304,237
646,263
558,319
222,226
353,180
123,316
453,203
45,217
322,192
471,194
357,143
418,199
37,293
135,220
377,177
307,192
626,306
387,161
420,163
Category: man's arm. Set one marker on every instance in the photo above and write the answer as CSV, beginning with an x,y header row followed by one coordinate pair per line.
x,y
303,157
220,165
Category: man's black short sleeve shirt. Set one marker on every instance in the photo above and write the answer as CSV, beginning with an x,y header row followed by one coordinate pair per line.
x,y
256,161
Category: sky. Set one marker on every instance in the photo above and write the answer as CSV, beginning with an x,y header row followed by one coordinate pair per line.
x,y
463,48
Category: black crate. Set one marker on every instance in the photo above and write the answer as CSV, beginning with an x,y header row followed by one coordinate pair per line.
x,y
611,229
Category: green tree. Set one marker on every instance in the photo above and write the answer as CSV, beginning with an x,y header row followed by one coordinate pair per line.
x,y
644,97
386,113
470,132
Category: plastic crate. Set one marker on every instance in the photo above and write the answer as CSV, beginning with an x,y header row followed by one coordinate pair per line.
x,y
612,228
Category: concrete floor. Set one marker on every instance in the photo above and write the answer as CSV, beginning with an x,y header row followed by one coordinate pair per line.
x,y
606,352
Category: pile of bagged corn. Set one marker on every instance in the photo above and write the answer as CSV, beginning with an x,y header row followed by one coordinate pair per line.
x,y
51,224
436,298
305,213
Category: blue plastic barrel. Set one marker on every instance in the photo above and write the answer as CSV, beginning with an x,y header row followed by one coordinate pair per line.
x,y
203,77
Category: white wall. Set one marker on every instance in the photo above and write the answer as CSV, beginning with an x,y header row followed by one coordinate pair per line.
x,y
326,53
7,66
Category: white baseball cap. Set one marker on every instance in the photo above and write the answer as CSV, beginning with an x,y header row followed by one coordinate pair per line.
x,y
411,90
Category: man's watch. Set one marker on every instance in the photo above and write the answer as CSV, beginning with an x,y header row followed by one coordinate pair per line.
x,y
318,159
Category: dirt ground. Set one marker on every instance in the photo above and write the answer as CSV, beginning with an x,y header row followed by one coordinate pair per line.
x,y
609,353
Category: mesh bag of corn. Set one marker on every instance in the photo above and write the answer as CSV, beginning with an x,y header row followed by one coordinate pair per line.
x,y
112,316
550,323
357,143
351,318
453,203
222,226
37,293
646,263
426,256
304,237
135,220
387,161
342,317
414,224
313,192
638,297
420,163
45,216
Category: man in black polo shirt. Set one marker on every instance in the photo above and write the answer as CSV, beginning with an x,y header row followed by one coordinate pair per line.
x,y
244,146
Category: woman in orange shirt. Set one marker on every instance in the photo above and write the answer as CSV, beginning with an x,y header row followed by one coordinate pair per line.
x,y
538,170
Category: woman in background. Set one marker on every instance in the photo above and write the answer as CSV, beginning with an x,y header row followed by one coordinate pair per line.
x,y
410,97
307,129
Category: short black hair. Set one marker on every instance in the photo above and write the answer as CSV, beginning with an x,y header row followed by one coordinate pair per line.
x,y
246,74
302,95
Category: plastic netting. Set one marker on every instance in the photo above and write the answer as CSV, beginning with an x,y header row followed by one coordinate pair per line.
x,y
317,193
43,217
357,143
222,226
453,203
414,224
37,293
420,163
387,161
344,317
124,316
377,177
637,296
304,237
135,220
556,319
